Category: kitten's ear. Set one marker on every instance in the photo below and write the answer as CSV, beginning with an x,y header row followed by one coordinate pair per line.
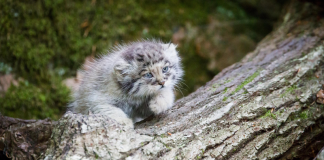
x,y
170,51
169,46
121,70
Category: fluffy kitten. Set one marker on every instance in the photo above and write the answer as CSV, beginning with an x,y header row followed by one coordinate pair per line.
x,y
131,83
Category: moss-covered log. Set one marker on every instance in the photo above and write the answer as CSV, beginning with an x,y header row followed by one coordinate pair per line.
x,y
268,106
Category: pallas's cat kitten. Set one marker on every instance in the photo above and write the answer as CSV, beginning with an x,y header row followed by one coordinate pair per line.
x,y
131,83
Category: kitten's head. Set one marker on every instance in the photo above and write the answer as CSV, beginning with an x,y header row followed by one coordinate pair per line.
x,y
147,68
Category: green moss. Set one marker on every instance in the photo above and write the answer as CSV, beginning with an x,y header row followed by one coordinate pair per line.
x,y
96,155
289,90
163,136
166,146
246,81
225,99
225,90
304,114
227,81
29,101
245,91
214,87
269,114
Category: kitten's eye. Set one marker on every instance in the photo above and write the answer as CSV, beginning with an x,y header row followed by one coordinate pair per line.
x,y
165,69
148,75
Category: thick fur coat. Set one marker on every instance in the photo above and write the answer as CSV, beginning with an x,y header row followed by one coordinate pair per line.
x,y
130,83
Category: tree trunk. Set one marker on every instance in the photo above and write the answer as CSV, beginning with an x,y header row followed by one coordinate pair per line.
x,y
268,106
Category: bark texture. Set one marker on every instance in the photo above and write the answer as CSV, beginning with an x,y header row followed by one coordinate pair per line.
x,y
24,139
268,106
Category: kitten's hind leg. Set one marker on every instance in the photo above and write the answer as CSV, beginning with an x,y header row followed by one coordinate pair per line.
x,y
162,102
114,113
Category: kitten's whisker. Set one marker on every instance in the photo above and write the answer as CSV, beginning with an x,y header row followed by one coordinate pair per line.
x,y
180,87
180,92
177,89
182,83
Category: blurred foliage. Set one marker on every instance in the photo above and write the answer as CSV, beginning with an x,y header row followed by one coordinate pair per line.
x,y
45,41
31,102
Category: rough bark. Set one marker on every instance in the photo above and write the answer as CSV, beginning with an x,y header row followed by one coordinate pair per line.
x,y
24,139
268,106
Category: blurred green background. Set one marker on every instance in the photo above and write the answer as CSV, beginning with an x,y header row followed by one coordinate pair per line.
x,y
43,42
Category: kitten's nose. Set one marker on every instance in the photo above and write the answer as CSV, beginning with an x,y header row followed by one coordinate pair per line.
x,y
161,83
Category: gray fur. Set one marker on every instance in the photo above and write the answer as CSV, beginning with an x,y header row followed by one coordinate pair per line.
x,y
116,83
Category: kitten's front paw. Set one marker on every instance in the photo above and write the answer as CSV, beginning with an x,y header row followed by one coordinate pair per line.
x,y
161,103
156,109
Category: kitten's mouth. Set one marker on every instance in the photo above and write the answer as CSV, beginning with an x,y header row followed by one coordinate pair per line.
x,y
162,87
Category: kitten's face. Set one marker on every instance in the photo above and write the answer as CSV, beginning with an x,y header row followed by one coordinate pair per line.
x,y
157,76
149,68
